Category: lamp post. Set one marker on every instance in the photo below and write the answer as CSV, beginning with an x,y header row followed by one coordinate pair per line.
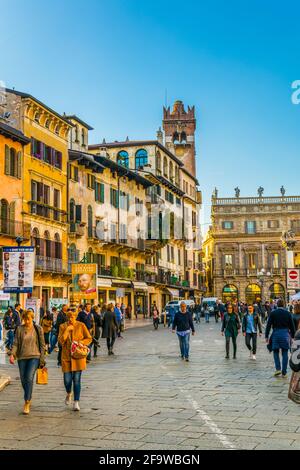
x,y
263,275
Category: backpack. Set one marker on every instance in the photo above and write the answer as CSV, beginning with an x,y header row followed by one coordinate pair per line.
x,y
295,353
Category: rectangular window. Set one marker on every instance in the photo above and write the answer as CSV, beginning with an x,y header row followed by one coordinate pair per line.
x,y
194,219
178,201
275,260
124,201
123,233
252,260
99,192
114,261
250,226
228,261
158,189
91,181
273,223
113,232
227,225
114,200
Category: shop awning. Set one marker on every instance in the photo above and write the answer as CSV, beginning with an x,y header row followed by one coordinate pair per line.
x,y
121,283
173,292
103,282
140,286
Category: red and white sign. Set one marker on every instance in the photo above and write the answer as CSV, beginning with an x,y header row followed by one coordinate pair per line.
x,y
293,278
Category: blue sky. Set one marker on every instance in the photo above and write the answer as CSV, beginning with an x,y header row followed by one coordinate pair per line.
x,y
110,62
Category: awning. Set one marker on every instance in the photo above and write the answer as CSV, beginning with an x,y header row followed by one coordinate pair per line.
x,y
121,283
140,286
103,282
173,292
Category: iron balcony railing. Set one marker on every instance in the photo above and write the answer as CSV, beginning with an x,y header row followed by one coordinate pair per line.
x,y
48,212
53,265
255,200
13,228
248,272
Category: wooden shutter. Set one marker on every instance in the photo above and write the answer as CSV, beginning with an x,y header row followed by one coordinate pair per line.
x,y
78,213
102,192
19,165
7,160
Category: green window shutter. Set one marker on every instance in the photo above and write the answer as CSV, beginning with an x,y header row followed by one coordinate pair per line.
x,y
19,165
96,192
111,196
117,198
7,160
102,192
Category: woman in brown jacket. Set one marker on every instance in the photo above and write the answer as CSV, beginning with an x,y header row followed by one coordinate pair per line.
x,y
72,368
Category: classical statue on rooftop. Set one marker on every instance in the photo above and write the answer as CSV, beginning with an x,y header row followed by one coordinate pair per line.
x,y
260,191
282,190
237,191
215,193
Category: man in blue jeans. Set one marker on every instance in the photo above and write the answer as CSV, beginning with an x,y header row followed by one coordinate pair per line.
x,y
183,324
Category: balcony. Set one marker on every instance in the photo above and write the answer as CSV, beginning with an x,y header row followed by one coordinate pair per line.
x,y
12,228
76,229
48,212
51,265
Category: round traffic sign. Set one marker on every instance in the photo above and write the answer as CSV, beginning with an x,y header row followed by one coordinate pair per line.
x,y
293,275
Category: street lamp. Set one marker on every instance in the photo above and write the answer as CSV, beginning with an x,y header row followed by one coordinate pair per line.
x,y
262,277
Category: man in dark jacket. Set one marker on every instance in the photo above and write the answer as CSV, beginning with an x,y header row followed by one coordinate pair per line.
x,y
61,318
281,321
183,324
251,322
86,317
11,321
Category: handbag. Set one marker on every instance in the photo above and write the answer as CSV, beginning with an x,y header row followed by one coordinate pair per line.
x,y
295,353
42,376
78,350
294,390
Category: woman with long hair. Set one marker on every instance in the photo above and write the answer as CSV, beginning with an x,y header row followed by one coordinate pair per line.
x,y
29,350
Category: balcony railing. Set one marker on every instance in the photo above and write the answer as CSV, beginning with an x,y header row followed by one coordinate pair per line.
x,y
53,265
48,212
255,200
248,272
14,228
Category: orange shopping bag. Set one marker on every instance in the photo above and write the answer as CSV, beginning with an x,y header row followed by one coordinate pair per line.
x,y
42,376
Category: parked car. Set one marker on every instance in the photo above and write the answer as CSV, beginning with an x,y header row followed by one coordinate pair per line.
x,y
175,304
211,303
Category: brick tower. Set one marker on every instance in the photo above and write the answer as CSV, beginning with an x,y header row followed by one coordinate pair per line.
x,y
179,127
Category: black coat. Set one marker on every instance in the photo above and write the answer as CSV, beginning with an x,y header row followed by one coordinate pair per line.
x,y
109,325
98,324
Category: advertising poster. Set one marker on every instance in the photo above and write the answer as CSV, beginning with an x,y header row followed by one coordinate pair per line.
x,y
18,269
34,304
84,278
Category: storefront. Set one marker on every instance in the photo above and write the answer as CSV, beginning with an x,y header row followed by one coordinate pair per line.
x,y
103,285
141,304
253,293
230,293
277,291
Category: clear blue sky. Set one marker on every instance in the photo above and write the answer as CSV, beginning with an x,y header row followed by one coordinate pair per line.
x,y
110,62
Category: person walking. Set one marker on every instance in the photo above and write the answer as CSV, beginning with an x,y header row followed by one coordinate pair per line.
x,y
47,323
10,322
172,311
70,331
85,316
283,326
251,322
53,333
206,312
155,315
183,325
230,327
118,313
109,328
29,350
216,312
61,319
98,323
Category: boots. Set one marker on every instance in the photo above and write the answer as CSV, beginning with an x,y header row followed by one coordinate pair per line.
x,y
227,350
26,409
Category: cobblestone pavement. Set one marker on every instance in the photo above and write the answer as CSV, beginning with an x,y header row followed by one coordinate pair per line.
x,y
145,397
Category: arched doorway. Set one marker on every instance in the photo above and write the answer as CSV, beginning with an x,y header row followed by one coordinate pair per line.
x,y
253,293
277,291
230,293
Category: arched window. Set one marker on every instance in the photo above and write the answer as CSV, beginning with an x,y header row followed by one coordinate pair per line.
x,y
4,216
123,158
72,211
35,240
253,293
277,291
73,254
230,293
158,163
176,138
57,247
47,251
165,167
171,171
183,138
82,137
141,158
90,221
37,117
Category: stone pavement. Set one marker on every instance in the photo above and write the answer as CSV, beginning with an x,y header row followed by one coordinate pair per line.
x,y
145,397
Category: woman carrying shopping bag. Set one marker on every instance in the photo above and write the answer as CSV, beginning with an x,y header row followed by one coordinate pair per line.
x,y
74,338
29,350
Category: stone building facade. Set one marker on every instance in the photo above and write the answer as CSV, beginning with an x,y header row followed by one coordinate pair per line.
x,y
243,252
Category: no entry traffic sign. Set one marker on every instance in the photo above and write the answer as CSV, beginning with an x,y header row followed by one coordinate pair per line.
x,y
293,278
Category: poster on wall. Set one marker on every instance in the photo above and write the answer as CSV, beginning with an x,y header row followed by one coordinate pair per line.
x,y
34,304
18,269
84,278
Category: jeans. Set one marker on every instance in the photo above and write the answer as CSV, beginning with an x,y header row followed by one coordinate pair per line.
x,y
75,378
27,368
207,317
119,328
53,341
110,343
285,358
252,336
184,343
228,345
10,339
197,317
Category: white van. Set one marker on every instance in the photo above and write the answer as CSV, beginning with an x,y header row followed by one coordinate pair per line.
x,y
210,301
